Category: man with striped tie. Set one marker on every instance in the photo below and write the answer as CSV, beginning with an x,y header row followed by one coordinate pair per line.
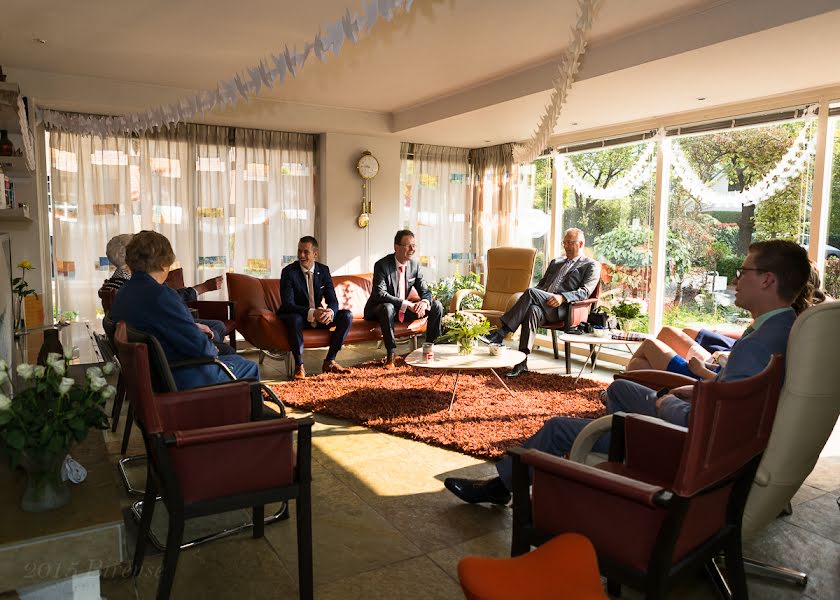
x,y
566,280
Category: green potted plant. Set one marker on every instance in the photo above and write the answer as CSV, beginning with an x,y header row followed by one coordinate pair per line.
x,y
22,290
42,418
463,329
627,311
446,288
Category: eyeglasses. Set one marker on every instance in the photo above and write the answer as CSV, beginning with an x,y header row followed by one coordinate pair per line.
x,y
570,242
739,272
409,246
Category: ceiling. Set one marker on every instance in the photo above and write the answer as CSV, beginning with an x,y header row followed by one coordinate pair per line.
x,y
454,72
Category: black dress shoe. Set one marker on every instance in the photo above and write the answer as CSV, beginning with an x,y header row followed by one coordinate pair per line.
x,y
496,337
475,491
517,370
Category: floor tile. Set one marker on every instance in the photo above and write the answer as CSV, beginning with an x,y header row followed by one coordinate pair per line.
x,y
806,493
491,545
820,515
826,474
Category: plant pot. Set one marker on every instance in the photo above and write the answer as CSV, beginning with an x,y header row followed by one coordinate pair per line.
x,y
465,346
45,489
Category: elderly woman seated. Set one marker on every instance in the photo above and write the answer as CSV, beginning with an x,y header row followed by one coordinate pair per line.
x,y
149,306
115,251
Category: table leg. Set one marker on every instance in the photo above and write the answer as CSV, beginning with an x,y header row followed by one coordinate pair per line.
x,y
583,366
454,388
437,381
502,381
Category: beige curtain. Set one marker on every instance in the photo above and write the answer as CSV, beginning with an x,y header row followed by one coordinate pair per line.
x,y
435,206
274,197
494,201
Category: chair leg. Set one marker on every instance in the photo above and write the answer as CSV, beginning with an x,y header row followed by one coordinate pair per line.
x,y
735,573
554,344
233,339
170,557
129,421
304,542
261,357
755,567
718,580
567,348
259,521
145,523
118,402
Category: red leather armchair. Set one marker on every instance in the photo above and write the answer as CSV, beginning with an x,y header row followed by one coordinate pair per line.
x,y
206,456
668,499
217,310
578,312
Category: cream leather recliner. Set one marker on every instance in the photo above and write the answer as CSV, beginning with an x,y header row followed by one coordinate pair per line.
x,y
509,272
808,409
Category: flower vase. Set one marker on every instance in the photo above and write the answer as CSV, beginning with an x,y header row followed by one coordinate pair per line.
x,y
465,345
20,323
45,489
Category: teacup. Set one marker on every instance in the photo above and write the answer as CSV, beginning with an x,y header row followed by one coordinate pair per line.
x,y
496,349
600,332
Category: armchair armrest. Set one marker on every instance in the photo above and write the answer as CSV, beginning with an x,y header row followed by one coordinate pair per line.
x,y
220,310
609,483
578,311
210,406
656,379
585,440
236,431
455,303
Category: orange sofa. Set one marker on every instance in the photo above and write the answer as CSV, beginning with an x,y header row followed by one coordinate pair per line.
x,y
257,301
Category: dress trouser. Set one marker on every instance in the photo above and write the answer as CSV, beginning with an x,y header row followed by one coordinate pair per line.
x,y
385,313
531,311
295,324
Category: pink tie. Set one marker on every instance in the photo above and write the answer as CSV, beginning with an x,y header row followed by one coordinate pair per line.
x,y
401,316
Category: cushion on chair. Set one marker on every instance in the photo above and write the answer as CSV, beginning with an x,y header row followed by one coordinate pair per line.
x,y
564,567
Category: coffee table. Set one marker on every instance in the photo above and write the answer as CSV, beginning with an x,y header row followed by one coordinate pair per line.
x,y
595,344
447,359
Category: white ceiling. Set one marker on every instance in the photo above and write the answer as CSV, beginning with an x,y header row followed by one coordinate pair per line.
x,y
455,72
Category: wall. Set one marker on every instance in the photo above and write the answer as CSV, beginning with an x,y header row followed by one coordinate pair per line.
x,y
344,246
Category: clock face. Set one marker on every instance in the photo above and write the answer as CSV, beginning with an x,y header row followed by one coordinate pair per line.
x,y
368,166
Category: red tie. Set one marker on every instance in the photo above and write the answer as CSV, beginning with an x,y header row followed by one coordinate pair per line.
x,y
401,316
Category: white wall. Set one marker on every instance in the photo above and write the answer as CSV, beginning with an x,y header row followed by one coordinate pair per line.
x,y
345,247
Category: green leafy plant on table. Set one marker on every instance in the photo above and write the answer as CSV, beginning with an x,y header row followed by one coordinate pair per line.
x,y
445,289
45,415
463,329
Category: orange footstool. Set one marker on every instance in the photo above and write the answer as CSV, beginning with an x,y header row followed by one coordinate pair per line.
x,y
564,568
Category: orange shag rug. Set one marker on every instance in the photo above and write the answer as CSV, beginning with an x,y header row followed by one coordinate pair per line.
x,y
485,421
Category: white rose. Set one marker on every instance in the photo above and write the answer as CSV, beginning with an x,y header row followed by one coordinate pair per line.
x,y
3,377
54,357
97,383
40,371
68,353
65,385
25,371
4,366
109,392
57,367
94,372
108,368
5,402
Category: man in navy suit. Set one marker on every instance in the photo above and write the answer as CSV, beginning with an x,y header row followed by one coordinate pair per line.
x,y
305,286
394,276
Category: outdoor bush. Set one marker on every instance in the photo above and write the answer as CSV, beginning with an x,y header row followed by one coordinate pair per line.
x,y
832,277
727,233
727,265
445,289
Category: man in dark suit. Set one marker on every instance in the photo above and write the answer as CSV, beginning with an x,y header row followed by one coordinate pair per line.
x,y
305,286
394,276
566,280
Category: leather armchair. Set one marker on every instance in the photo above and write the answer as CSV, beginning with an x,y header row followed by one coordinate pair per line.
x,y
577,313
207,456
509,273
668,499
217,310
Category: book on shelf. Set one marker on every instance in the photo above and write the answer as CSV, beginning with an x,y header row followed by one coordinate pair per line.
x,y
8,193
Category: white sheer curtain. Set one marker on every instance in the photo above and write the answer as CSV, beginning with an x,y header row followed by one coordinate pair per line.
x,y
179,182
436,201
274,201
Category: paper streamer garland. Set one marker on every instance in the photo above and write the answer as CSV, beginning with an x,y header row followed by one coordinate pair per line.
x,y
568,68
268,73
636,176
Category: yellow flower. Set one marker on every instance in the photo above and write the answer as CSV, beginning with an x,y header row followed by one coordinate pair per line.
x,y
25,264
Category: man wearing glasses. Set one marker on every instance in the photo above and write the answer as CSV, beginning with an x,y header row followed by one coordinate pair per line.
x,y
773,275
566,280
394,276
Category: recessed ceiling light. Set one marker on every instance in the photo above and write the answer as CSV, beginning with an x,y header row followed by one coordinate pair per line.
x,y
573,123
38,40
486,141
701,98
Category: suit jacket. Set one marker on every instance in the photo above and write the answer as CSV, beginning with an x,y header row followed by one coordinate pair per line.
x,y
294,295
386,283
749,356
578,284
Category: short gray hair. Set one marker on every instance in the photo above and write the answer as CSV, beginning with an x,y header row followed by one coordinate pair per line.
x,y
115,250
578,233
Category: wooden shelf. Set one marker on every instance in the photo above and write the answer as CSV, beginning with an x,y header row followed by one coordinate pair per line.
x,y
14,166
15,214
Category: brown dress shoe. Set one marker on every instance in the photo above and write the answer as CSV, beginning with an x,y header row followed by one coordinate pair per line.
x,y
300,372
330,366
389,362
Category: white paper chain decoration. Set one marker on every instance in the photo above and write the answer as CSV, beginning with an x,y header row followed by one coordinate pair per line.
x,y
637,176
26,134
567,69
269,72
789,167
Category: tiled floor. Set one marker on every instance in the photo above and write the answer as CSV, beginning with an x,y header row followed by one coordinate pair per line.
x,y
384,526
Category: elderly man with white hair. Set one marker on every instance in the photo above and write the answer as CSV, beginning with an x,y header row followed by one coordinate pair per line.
x,y
566,280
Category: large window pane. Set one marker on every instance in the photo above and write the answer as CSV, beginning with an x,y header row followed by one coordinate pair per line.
x,y
832,263
717,226
619,232
534,218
